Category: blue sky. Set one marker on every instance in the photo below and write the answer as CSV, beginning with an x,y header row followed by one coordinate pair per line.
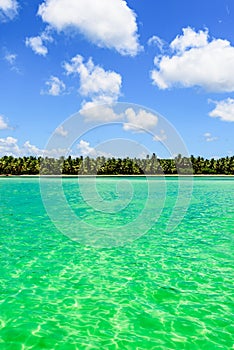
x,y
61,57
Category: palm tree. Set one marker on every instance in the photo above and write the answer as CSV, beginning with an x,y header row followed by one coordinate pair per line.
x,y
111,166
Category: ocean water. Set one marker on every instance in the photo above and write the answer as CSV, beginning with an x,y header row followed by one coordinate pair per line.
x,y
67,284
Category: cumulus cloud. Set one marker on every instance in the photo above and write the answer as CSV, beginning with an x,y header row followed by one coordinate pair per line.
x,y
8,9
61,131
93,111
29,149
224,110
3,123
9,147
55,87
139,121
209,137
189,39
86,150
106,23
98,85
94,80
37,43
156,41
161,136
134,121
196,61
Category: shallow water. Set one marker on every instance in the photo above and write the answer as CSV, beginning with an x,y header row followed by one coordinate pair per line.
x,y
159,290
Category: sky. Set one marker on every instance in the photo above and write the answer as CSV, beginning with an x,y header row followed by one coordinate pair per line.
x,y
133,69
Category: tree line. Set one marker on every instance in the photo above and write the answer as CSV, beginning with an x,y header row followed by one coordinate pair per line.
x,y
151,165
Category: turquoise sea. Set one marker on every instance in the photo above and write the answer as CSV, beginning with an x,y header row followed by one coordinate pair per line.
x,y
162,289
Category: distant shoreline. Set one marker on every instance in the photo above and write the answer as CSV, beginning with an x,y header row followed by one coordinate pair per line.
x,y
101,166
119,175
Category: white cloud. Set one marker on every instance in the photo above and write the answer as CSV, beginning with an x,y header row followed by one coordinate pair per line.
x,y
156,41
3,123
85,149
8,9
94,80
55,87
106,23
37,43
9,147
160,137
61,131
139,121
10,58
209,138
100,86
29,149
55,153
224,110
189,39
98,112
196,61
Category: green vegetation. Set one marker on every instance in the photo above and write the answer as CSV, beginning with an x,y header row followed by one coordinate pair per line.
x,y
114,166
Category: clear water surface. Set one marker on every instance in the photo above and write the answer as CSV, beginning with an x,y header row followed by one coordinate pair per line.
x,y
164,290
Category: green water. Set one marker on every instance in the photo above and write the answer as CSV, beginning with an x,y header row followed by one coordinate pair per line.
x,y
164,290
